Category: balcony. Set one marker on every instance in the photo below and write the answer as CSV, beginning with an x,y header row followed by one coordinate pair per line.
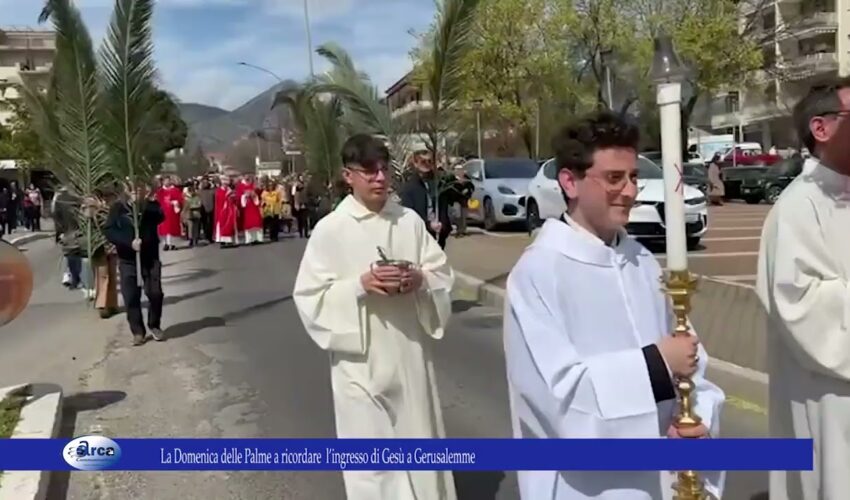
x,y
34,70
816,23
411,107
805,66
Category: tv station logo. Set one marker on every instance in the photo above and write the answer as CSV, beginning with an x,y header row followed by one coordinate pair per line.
x,y
92,453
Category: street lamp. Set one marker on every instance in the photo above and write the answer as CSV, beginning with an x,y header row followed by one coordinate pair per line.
x,y
476,103
667,73
309,36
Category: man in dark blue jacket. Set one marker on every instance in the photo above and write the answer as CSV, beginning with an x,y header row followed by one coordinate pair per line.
x,y
119,230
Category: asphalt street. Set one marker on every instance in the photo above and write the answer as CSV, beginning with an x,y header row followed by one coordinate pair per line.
x,y
239,364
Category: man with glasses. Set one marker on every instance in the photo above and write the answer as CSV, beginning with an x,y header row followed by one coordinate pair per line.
x,y
426,193
373,290
588,341
803,275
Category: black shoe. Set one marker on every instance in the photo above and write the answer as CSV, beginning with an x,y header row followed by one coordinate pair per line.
x,y
157,334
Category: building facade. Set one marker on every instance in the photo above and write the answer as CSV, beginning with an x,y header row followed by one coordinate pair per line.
x,y
805,42
26,58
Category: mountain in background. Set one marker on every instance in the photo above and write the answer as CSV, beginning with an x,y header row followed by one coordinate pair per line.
x,y
218,131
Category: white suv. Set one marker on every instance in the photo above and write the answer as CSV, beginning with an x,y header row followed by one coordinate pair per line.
x,y
646,220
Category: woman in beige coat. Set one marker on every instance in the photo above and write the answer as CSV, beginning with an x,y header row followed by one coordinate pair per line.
x,y
716,189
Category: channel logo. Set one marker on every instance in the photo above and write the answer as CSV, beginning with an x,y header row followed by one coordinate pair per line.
x,y
92,453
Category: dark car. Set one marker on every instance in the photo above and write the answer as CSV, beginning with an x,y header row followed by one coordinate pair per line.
x,y
769,186
733,178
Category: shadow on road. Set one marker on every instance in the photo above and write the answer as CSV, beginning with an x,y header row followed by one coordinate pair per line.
x,y
72,406
188,277
478,485
181,330
170,300
459,306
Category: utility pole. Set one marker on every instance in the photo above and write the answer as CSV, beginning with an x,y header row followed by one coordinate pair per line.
x,y
309,36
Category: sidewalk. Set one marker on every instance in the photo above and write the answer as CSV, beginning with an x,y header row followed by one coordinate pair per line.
x,y
728,317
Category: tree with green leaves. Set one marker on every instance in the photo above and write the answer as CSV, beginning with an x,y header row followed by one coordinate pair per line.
x,y
20,140
169,131
517,64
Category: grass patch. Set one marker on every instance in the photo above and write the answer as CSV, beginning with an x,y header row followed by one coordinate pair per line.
x,y
10,414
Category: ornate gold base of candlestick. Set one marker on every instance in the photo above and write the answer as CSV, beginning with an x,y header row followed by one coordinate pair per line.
x,y
680,286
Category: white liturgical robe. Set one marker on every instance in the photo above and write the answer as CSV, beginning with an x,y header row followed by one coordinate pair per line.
x,y
382,372
802,282
577,315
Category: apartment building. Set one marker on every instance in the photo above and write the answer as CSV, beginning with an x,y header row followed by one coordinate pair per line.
x,y
804,42
26,57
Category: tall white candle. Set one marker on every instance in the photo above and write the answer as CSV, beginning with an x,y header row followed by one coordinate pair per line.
x,y
669,100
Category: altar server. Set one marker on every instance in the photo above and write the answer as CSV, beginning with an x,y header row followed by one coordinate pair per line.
x,y
373,289
588,328
803,269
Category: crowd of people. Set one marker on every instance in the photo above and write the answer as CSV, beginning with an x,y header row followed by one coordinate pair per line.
x,y
20,208
587,329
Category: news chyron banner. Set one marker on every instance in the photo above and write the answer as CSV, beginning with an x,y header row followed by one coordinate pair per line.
x,y
98,452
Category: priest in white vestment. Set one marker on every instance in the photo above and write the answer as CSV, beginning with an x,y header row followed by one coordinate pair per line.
x,y
803,273
588,341
378,322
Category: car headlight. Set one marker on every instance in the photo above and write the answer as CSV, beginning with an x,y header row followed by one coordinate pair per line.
x,y
696,201
505,190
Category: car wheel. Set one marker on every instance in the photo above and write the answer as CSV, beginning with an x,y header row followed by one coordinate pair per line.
x,y
489,215
752,200
693,243
532,216
772,194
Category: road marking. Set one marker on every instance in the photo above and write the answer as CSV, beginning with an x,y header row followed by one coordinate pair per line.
x,y
732,238
745,405
712,255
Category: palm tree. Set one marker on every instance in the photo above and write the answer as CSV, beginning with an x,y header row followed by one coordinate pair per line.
x,y
317,119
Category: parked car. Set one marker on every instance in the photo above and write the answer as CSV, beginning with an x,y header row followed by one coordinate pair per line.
x,y
733,178
696,175
501,187
646,221
747,154
772,182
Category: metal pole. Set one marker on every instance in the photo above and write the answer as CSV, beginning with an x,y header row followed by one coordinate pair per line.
x,y
478,130
309,36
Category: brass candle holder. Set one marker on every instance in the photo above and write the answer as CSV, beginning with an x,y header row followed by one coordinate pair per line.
x,y
681,285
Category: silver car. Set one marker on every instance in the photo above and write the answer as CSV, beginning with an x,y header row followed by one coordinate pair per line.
x,y
501,188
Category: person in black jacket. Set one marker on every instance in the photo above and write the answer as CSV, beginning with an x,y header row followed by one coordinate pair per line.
x,y
417,194
120,232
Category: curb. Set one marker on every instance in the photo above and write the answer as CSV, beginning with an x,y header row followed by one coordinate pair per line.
x,y
41,418
27,238
736,381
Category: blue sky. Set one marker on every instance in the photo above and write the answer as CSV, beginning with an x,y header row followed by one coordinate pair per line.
x,y
199,42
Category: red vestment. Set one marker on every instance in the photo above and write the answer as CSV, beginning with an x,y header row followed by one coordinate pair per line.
x,y
226,215
220,195
251,216
171,201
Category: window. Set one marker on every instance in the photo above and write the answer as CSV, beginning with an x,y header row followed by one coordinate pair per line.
x,y
550,170
768,21
771,91
510,168
473,170
732,102
648,170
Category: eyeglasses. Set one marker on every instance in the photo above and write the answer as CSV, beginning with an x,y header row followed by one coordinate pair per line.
x,y
839,113
370,173
614,182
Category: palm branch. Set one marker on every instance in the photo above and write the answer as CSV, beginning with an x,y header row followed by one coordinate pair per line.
x,y
67,117
443,79
127,74
362,107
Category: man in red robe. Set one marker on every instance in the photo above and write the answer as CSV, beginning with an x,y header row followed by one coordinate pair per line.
x,y
170,198
226,213
251,215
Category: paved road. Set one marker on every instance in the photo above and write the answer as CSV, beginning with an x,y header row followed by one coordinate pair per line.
x,y
238,364
728,251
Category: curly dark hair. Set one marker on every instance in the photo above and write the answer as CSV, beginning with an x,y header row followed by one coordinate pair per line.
x,y
575,144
